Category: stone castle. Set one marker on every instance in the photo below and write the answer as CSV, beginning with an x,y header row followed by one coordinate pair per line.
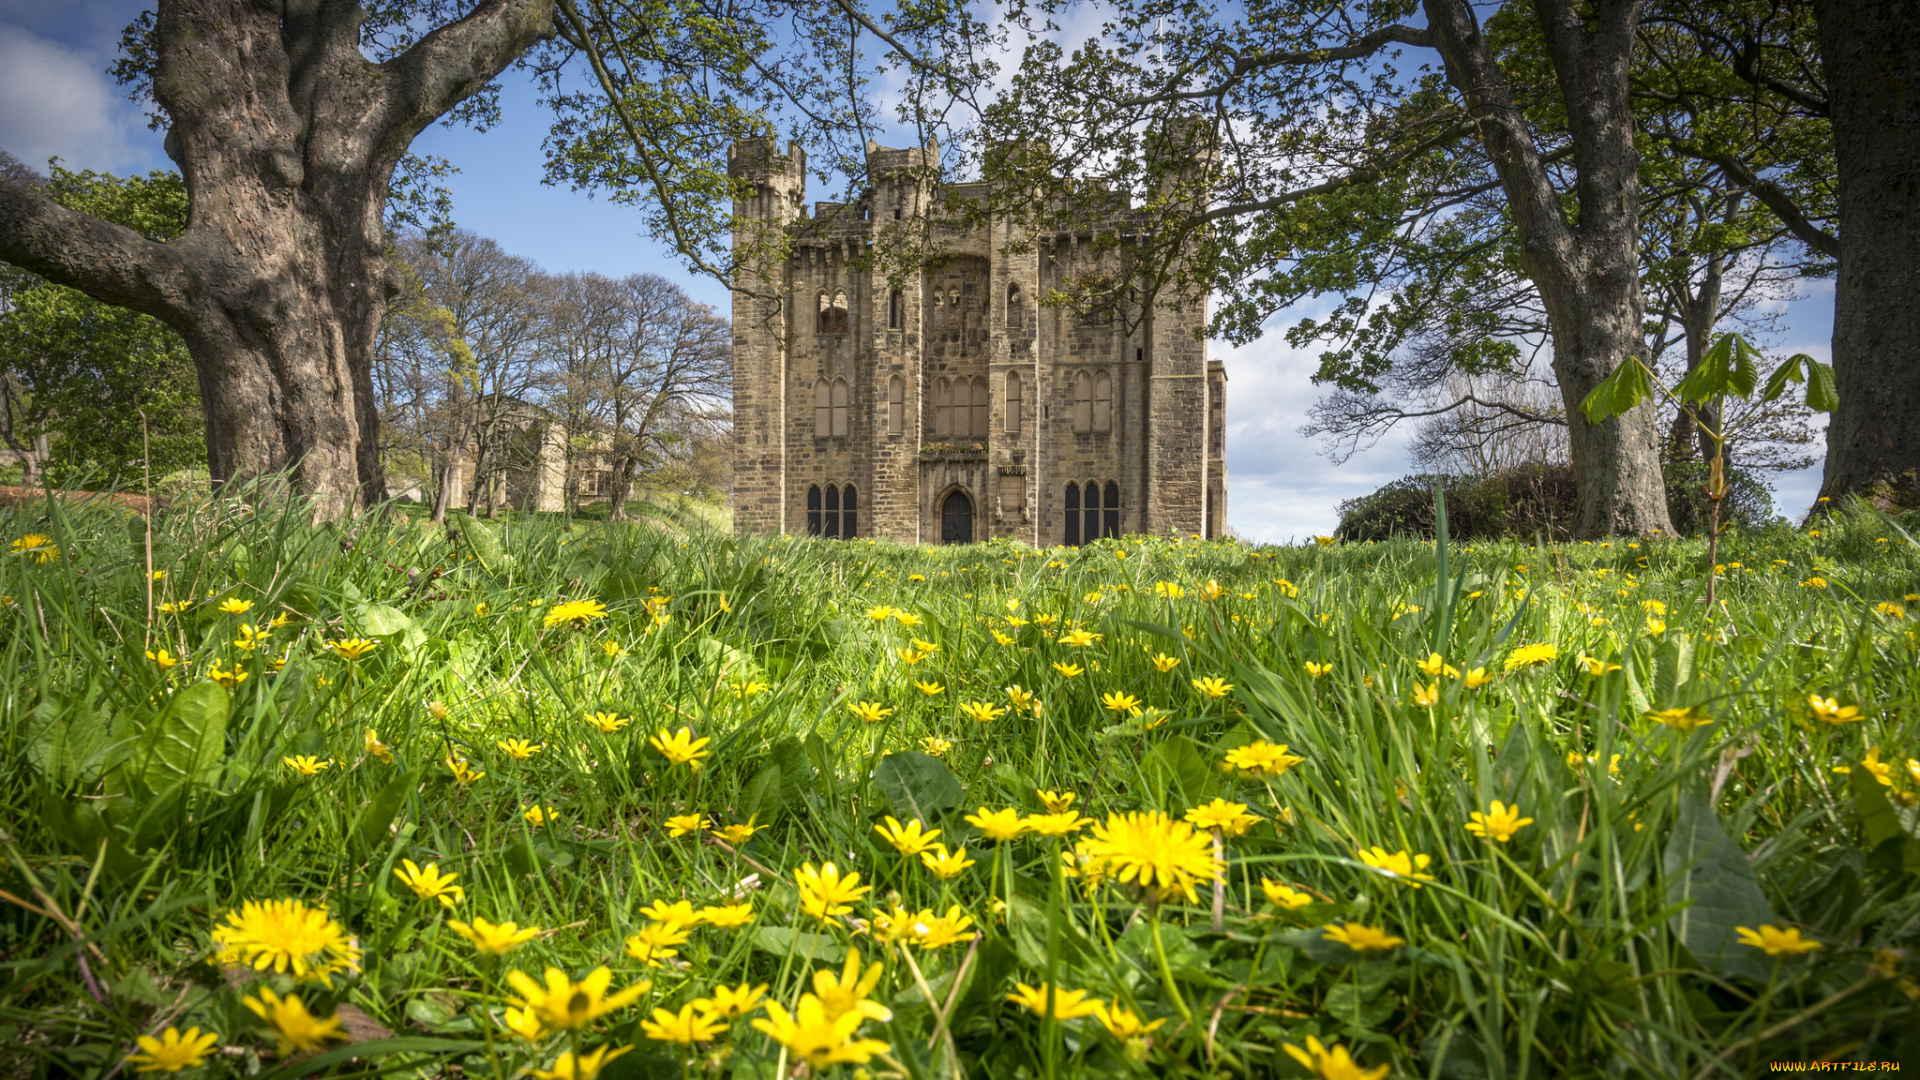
x,y
954,407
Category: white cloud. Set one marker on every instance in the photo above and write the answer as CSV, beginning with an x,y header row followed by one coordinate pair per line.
x,y
57,100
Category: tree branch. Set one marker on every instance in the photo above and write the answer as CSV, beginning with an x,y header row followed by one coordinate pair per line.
x,y
1366,174
1775,198
454,61
108,262
1255,62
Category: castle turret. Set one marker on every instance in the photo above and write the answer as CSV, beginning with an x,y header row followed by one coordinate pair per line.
x,y
773,190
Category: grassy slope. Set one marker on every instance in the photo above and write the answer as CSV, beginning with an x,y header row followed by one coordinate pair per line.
x,y
1599,939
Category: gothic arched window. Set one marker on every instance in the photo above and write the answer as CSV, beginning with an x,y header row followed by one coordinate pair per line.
x,y
1073,515
1013,403
813,510
822,409
839,311
1082,401
1016,312
838,403
980,408
824,323
942,409
896,310
1102,402
896,406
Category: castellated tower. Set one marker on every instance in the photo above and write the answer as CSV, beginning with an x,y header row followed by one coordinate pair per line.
x,y
948,405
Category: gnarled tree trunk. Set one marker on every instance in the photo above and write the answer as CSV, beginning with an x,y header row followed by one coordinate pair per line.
x,y
287,137
1871,50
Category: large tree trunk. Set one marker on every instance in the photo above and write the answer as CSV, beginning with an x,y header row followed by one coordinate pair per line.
x,y
1588,272
1871,51
287,137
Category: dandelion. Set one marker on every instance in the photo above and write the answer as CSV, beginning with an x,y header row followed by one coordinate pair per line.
x,y
1532,655
986,712
493,939
740,833
871,711
1230,818
726,916
820,1040
681,748
1816,581
934,745
733,1001
1059,1003
562,1003
1829,710
574,613
233,605
295,1028
998,825
1284,897
1262,758
929,688
429,883
1682,719
1332,1063
1164,856
352,648
1398,864
37,547
910,839
286,936
520,749
572,1066
1362,938
1317,670
173,1051
607,722
1776,941
1426,696
825,893
1213,687
946,865
1499,823
681,824
306,764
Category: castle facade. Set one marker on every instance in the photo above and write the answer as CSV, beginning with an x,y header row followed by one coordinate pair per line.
x,y
950,406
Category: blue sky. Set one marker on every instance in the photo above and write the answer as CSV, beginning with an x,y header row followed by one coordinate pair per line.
x,y
56,99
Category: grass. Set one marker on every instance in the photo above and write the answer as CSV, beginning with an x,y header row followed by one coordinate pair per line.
x,y
143,803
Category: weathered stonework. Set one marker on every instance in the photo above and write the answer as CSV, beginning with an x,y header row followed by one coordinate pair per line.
x,y
955,406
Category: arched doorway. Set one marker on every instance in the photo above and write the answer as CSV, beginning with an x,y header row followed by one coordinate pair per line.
x,y
956,518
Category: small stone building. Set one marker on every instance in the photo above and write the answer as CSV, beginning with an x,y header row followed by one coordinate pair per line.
x,y
954,407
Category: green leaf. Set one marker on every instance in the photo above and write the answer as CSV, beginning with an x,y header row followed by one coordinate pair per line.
x,y
184,743
916,785
761,794
1178,772
780,940
1709,873
1787,372
1626,387
384,807
482,544
1672,667
1822,394
379,620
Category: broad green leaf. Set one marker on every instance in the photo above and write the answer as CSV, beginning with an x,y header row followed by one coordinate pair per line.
x,y
184,743
1179,771
780,940
384,807
1787,372
761,797
1626,387
916,785
1708,872
1672,667
482,544
1822,394
379,620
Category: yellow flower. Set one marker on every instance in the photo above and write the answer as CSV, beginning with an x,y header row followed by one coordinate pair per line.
x,y
563,1003
1213,687
574,612
1776,941
1831,711
945,865
251,637
520,749
37,547
1078,639
1683,719
825,893
480,609
173,1051
880,612
733,1001
1317,670
1881,770
306,764
746,688
1529,655
1262,758
939,931
612,649
1120,702
726,916
1164,856
741,833
1022,699
375,748
608,722
1069,670
175,607
1499,823
1284,897
1477,678
1595,666
847,993
812,1036
1124,1024
1168,590
1434,666
911,657
228,679
1060,1003
1398,864
233,605
681,748
871,711
353,648
568,1066
1056,801
1326,541
929,688
463,773
493,939
1816,581
1063,823
1426,696
1362,938
910,839
429,883
1656,626
999,825
286,936
985,712
295,1027
1231,818
934,745
656,943
1002,638
1332,1063
538,815
682,824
